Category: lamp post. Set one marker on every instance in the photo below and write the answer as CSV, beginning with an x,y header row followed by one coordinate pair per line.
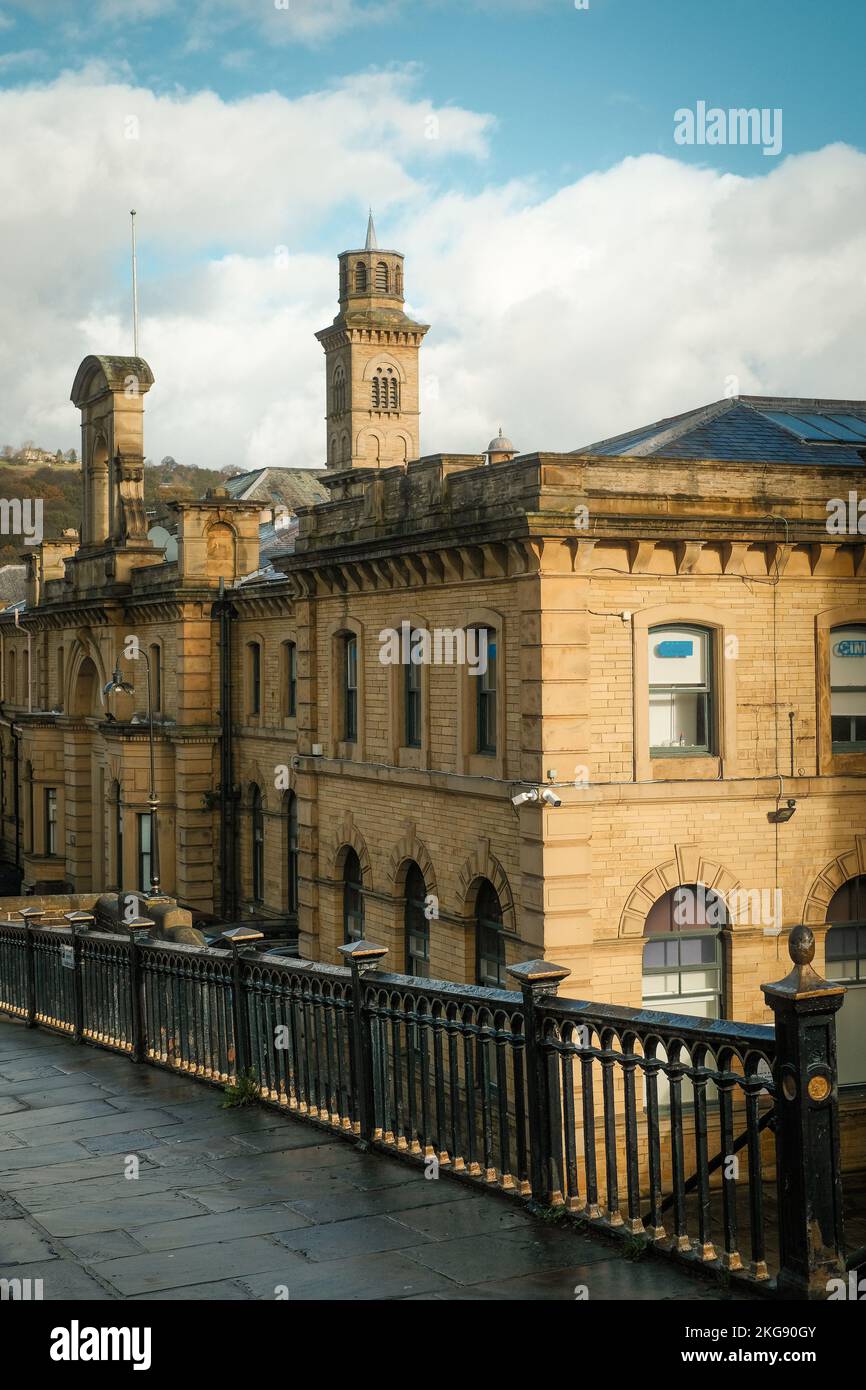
x,y
118,686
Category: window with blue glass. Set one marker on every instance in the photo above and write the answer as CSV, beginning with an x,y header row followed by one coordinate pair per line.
x,y
486,696
848,689
681,703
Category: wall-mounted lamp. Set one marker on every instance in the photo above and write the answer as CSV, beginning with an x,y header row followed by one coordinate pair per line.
x,y
783,814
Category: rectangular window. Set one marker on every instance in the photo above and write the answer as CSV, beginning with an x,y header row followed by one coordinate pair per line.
x,y
413,705
680,692
291,680
255,660
486,739
144,857
848,689
350,693
50,820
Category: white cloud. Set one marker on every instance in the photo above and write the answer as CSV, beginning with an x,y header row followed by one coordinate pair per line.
x,y
23,58
622,297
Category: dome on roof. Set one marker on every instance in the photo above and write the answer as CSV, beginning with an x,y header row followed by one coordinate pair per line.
x,y
500,445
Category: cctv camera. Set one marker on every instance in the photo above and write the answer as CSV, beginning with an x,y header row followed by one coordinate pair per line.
x,y
550,798
522,797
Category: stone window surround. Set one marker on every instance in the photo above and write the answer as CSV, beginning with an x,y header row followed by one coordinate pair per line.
x,y
469,760
830,763
338,746
401,755
705,766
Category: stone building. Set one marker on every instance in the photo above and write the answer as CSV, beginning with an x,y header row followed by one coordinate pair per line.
x,y
637,747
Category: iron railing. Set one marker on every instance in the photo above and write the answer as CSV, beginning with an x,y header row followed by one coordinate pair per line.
x,y
703,1138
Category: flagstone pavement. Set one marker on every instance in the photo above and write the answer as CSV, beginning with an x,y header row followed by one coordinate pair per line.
x,y
120,1181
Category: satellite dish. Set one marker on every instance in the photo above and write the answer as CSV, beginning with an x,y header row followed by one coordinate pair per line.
x,y
163,540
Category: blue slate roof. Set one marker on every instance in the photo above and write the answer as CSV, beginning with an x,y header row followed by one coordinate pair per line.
x,y
748,429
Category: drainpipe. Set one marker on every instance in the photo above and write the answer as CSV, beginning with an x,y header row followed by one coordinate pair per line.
x,y
224,610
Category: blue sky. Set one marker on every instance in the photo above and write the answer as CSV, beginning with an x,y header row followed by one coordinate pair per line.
x,y
557,142
571,90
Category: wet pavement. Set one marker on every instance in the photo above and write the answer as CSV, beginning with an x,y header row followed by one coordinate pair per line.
x,y
125,1182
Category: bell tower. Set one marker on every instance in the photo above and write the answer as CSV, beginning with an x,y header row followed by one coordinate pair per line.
x,y
371,364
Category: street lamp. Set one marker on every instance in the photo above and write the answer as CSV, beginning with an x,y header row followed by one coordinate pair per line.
x,y
118,686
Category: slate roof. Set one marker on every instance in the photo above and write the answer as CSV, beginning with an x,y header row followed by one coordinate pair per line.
x,y
748,429
289,487
13,585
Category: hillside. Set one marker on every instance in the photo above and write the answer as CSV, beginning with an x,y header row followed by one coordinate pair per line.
x,y
60,490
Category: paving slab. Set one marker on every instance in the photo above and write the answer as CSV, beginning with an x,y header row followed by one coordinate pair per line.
x,y
230,1259
202,1230
366,1235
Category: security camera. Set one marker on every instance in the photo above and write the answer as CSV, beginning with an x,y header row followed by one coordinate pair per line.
x,y
550,798
522,797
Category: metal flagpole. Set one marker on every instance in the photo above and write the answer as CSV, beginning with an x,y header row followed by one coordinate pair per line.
x,y
134,289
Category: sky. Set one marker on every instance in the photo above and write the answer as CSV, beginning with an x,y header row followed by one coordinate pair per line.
x,y
583,269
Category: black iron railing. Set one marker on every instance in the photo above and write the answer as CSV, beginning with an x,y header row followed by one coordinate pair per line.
x,y
715,1141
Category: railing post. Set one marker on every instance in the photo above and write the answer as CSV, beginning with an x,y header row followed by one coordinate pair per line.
x,y
30,916
80,922
808,1168
139,929
362,955
538,980
238,938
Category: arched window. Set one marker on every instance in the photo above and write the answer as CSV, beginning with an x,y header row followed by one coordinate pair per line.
x,y
848,689
682,959
291,852
378,390
257,844
394,393
489,940
486,692
681,704
381,278
353,898
360,277
350,688
398,280
254,678
11,679
845,955
339,390
155,655
290,677
60,674
417,924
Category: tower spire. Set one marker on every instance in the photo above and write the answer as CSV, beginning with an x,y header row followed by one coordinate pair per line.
x,y
372,243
